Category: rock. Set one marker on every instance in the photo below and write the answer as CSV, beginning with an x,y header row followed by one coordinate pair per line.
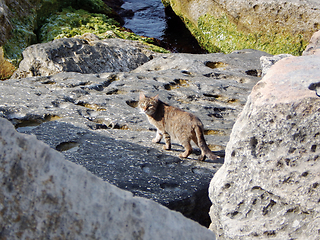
x,y
266,62
314,45
274,26
80,55
25,17
5,25
93,112
18,20
43,196
313,48
268,186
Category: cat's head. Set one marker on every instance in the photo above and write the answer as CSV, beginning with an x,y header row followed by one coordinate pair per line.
x,y
148,105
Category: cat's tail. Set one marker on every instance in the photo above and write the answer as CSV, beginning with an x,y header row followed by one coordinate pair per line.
x,y
205,150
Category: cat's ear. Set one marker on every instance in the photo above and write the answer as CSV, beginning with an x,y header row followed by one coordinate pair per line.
x,y
142,96
156,97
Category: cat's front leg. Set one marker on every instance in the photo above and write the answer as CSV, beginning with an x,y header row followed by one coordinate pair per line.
x,y
158,137
167,141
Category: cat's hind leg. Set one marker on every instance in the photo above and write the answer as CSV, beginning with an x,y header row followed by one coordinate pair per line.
x,y
202,157
167,141
158,137
188,149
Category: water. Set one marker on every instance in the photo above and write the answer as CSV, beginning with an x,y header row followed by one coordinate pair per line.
x,y
149,18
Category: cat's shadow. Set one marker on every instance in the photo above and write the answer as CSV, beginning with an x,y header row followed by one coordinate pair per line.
x,y
175,147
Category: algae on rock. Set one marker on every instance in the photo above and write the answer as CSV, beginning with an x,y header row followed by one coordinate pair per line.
x,y
26,17
29,19
221,33
70,23
227,25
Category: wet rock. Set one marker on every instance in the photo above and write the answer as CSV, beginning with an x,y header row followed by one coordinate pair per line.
x,y
268,185
80,55
44,196
86,115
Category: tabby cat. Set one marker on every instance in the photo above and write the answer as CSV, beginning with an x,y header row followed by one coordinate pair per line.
x,y
173,122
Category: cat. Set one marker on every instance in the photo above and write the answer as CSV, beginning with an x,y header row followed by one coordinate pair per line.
x,y
173,122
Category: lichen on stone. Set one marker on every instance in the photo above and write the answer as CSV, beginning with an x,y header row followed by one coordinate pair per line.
x,y
221,33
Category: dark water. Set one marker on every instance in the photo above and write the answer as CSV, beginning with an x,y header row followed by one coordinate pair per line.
x,y
149,18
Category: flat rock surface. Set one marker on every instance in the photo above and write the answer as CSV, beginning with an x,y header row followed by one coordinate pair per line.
x,y
93,119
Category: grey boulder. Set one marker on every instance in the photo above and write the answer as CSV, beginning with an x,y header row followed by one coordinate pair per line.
x,y
269,184
83,56
43,196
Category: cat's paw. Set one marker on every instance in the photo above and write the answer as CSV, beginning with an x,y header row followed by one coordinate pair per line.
x,y
166,147
182,155
202,158
155,140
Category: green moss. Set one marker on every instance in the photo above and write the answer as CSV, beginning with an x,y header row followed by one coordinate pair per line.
x,y
48,7
70,22
27,17
222,35
22,36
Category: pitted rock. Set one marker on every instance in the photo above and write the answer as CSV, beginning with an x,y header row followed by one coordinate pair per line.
x,y
80,55
268,185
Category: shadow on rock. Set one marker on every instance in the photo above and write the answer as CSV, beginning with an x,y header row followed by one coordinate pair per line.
x,y
180,185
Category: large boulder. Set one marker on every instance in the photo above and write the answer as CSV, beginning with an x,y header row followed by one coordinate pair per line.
x,y
83,56
274,26
269,184
93,120
43,196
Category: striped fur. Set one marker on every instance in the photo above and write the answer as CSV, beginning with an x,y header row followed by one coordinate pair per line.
x,y
173,122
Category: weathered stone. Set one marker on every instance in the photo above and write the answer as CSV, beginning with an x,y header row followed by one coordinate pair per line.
x,y
266,61
314,45
268,186
94,112
80,55
274,26
43,196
